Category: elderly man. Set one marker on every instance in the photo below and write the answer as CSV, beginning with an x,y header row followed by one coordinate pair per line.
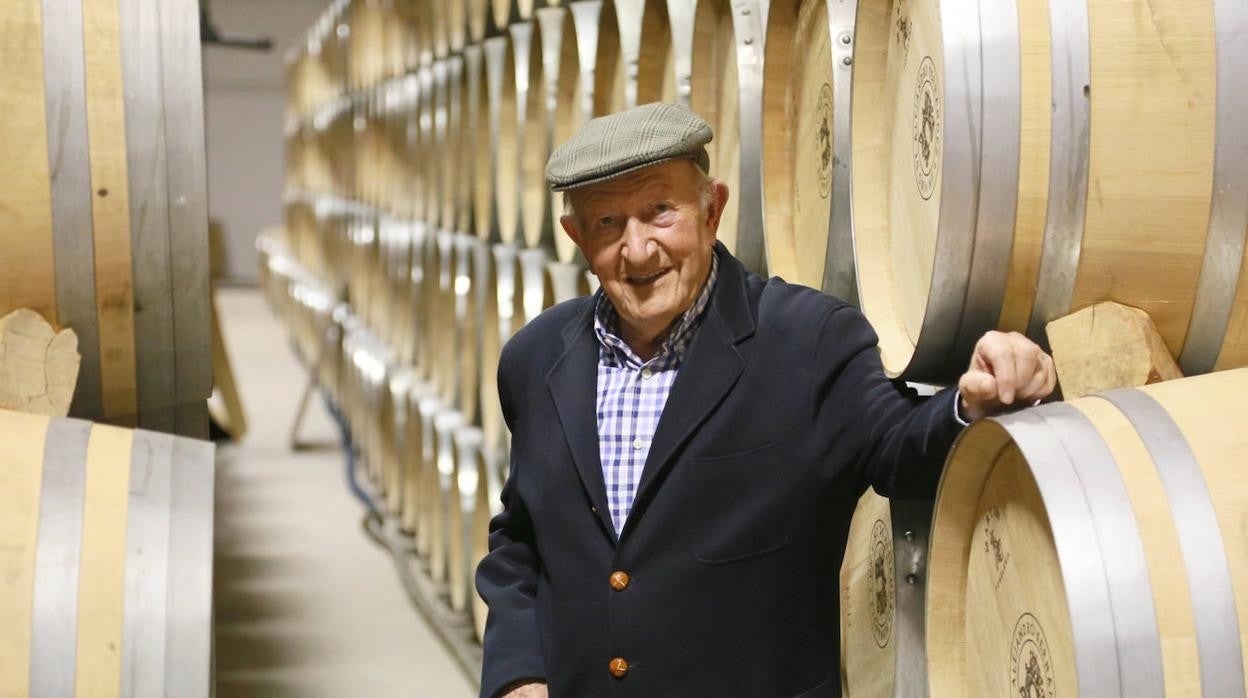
x,y
689,443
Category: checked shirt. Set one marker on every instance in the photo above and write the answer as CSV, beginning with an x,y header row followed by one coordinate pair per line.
x,y
632,393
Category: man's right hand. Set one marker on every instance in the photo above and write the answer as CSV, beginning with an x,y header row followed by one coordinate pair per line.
x,y
534,689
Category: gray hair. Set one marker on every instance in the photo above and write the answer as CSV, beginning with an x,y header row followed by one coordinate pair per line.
x,y
706,186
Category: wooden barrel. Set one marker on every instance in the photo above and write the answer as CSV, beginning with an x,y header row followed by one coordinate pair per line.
x,y
565,281
1095,547
470,254
419,14
1077,208
469,476
89,90
883,581
478,15
503,314
106,579
432,139
574,102
496,209
446,497
617,57
487,503
535,293
546,56
425,483
806,84
526,45
456,151
366,48
443,336
726,82
666,52
412,456
401,384
455,16
471,114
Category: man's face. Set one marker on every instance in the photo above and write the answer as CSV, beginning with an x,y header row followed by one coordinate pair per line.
x,y
648,236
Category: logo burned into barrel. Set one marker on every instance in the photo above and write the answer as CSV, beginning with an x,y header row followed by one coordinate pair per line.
x,y
824,136
883,589
927,128
1031,669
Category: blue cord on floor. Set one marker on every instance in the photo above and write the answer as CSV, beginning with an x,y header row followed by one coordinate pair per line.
x,y
348,447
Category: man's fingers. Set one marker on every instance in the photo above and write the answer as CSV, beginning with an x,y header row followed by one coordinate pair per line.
x,y
998,354
978,387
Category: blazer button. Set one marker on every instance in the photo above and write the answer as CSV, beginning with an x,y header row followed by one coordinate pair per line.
x,y
619,580
619,667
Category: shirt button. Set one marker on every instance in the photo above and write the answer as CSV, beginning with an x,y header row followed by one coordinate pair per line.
x,y
637,444
619,667
646,373
619,580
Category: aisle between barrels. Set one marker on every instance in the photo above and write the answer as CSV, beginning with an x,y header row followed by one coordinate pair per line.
x,y
306,605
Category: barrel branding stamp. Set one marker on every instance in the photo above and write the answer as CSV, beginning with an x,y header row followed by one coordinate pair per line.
x,y
883,587
824,136
927,127
994,546
1031,667
901,29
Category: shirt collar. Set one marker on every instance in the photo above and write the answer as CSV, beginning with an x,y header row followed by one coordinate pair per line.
x,y
679,335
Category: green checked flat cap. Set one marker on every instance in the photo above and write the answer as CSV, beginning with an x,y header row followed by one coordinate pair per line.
x,y
619,143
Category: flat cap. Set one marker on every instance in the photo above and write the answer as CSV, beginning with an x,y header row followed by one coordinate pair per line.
x,y
619,143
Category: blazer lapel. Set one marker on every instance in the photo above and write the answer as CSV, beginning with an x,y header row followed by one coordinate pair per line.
x,y
573,383
707,374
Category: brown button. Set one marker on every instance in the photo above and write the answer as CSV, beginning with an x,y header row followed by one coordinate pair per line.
x,y
619,668
619,581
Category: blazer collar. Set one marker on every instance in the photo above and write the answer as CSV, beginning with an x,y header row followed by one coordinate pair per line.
x,y
710,369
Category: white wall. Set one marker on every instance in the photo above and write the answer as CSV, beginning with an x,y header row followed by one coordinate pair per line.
x,y
244,104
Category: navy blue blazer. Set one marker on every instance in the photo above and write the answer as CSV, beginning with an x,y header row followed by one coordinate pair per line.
x,y
780,418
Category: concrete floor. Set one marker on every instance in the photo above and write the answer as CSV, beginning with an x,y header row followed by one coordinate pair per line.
x,y
306,605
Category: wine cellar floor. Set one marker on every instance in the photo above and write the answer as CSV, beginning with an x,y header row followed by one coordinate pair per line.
x,y
306,605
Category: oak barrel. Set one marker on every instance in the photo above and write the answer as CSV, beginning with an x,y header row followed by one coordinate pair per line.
x,y
805,93
726,85
547,54
490,464
106,574
535,292
426,488
565,281
574,103
1095,547
98,98
445,498
617,57
883,579
1077,155
665,52
503,314
496,207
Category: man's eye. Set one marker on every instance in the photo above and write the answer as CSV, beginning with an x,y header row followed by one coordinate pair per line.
x,y
662,208
605,222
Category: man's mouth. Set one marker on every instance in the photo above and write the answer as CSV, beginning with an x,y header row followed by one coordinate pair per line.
x,y
647,279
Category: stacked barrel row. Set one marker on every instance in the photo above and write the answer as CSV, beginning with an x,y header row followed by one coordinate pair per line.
x,y
1082,153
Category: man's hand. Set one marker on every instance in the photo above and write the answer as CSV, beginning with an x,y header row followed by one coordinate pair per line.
x,y
535,689
1007,369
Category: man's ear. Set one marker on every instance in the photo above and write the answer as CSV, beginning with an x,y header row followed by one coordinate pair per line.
x,y
715,212
569,227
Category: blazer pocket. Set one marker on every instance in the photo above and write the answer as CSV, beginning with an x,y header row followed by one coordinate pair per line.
x,y
739,504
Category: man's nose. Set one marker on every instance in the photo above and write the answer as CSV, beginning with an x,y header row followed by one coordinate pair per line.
x,y
638,245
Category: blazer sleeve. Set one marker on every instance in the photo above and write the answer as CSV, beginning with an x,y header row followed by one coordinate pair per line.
x,y
507,582
896,441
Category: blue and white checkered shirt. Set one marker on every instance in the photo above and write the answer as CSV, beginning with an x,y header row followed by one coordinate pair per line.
x,y
632,393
